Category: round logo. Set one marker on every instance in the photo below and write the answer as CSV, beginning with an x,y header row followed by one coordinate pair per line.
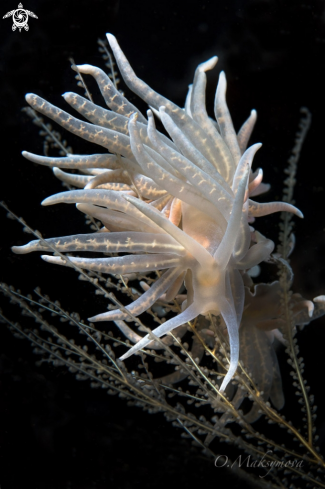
x,y
20,19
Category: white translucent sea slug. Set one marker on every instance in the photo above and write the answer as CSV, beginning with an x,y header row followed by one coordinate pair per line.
x,y
180,204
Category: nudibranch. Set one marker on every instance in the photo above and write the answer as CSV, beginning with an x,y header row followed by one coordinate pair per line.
x,y
180,203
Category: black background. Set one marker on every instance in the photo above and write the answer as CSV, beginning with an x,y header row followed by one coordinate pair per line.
x,y
54,431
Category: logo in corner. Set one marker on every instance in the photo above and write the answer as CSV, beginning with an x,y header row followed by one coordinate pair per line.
x,y
20,18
